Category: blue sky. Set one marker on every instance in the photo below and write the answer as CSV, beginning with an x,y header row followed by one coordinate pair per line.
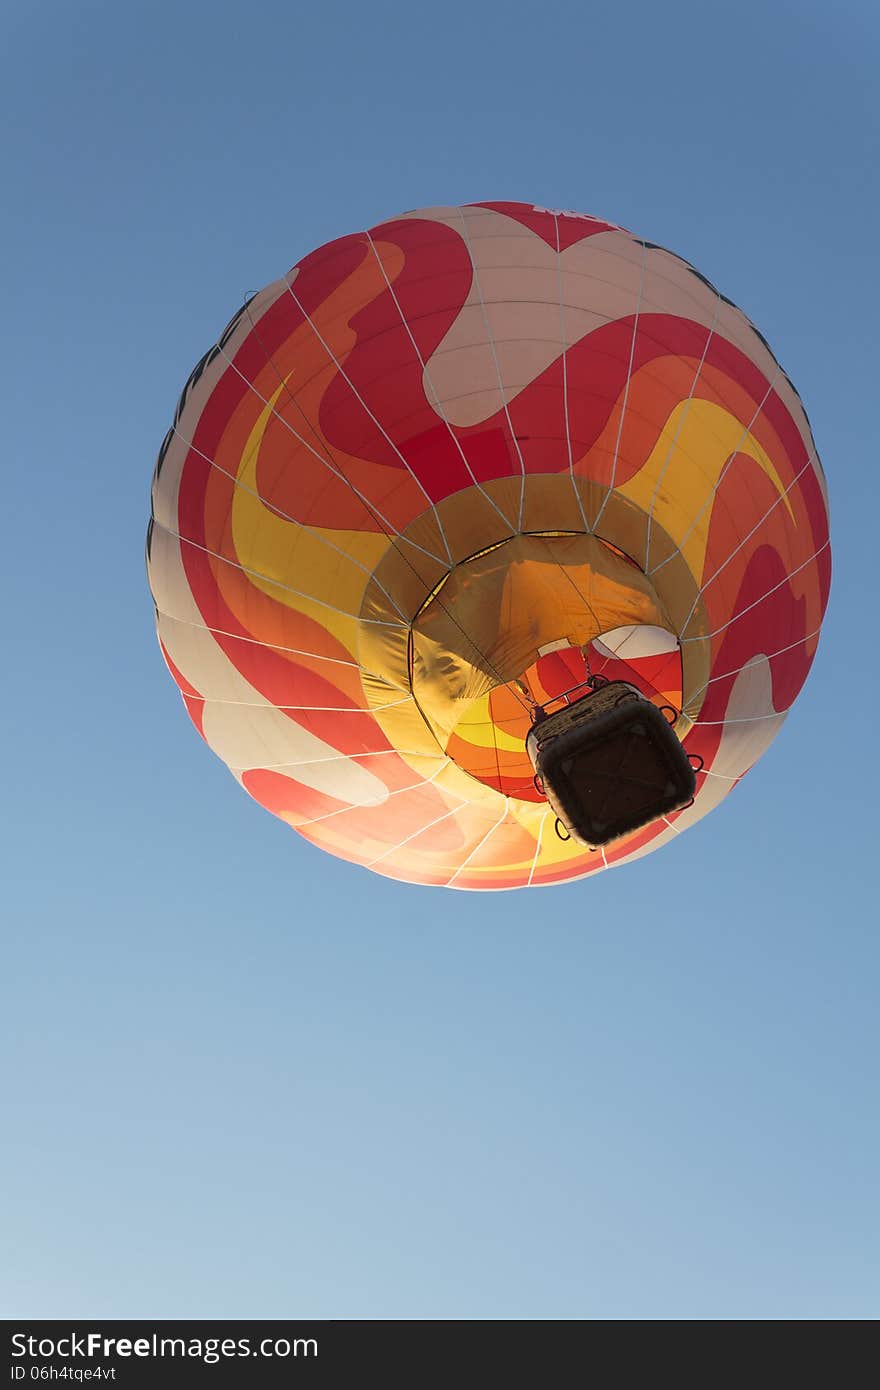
x,y
240,1078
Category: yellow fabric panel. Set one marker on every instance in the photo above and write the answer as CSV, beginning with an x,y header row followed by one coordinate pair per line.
x,y
683,471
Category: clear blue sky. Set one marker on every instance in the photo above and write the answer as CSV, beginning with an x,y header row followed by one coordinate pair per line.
x,y
241,1078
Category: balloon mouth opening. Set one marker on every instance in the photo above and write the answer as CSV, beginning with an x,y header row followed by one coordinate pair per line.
x,y
526,621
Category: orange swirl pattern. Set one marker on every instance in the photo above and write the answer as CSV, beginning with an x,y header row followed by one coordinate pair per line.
x,y
437,472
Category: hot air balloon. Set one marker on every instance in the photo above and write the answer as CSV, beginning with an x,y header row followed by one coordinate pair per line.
x,y
446,479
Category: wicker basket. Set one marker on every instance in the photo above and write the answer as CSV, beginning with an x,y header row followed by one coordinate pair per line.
x,y
609,763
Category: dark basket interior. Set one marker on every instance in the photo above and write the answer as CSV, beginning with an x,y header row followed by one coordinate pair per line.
x,y
616,772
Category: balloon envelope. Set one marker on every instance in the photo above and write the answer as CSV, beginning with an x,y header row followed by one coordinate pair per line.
x,y
437,473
